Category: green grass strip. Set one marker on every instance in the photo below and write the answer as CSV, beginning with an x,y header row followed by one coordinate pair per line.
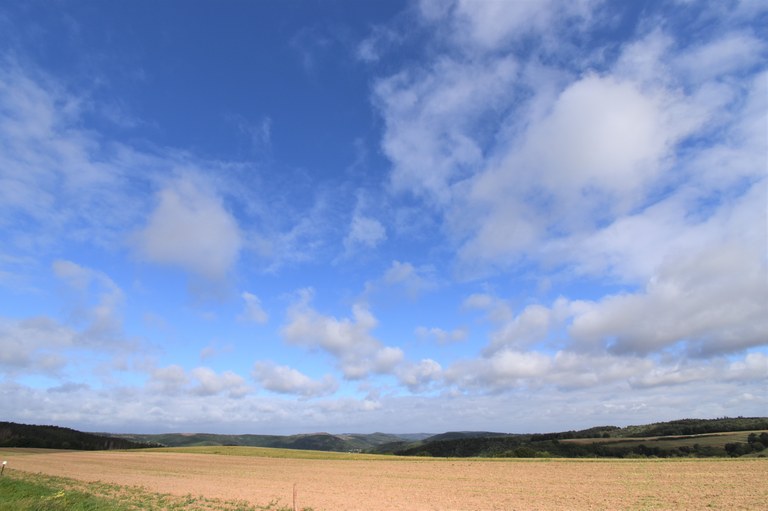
x,y
22,491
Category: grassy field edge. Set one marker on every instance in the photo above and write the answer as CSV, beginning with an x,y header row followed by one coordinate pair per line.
x,y
24,491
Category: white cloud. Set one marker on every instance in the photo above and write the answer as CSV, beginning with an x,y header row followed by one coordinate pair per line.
x,y
504,370
594,157
58,181
348,340
632,168
754,367
34,345
210,383
531,326
418,377
169,380
102,319
689,297
174,380
61,182
497,309
380,40
253,310
414,280
386,359
602,134
695,301
552,154
435,122
192,229
364,232
442,336
286,380
489,25
729,53
689,285
509,370
93,327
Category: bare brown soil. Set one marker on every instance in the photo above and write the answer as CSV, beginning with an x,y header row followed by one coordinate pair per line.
x,y
421,484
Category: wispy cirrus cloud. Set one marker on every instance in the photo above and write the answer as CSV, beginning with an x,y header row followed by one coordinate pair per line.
x,y
253,311
92,327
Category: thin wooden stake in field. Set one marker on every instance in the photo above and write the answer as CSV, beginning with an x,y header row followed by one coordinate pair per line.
x,y
294,496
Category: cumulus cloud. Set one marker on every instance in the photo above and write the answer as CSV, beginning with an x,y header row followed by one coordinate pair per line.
x,y
433,120
689,297
572,151
420,376
168,380
209,383
606,134
348,340
510,370
174,380
529,327
594,157
633,168
643,169
286,380
191,228
686,305
504,370
691,290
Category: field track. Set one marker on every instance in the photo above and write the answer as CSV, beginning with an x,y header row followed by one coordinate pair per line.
x,y
416,484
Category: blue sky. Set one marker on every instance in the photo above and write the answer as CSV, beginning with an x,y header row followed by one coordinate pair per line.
x,y
282,217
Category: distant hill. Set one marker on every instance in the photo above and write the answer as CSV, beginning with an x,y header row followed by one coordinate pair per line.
x,y
696,426
739,436
456,435
55,437
687,437
312,441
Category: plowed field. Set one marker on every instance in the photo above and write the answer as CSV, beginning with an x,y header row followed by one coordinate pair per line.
x,y
416,484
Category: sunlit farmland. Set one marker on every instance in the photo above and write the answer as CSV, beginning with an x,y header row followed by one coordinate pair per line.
x,y
261,477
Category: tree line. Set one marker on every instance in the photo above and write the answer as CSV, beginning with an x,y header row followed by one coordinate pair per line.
x,y
55,437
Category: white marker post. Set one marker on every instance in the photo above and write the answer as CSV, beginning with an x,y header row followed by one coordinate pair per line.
x,y
3,468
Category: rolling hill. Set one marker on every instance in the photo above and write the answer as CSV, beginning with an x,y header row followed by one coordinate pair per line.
x,y
687,437
740,436
311,441
55,437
